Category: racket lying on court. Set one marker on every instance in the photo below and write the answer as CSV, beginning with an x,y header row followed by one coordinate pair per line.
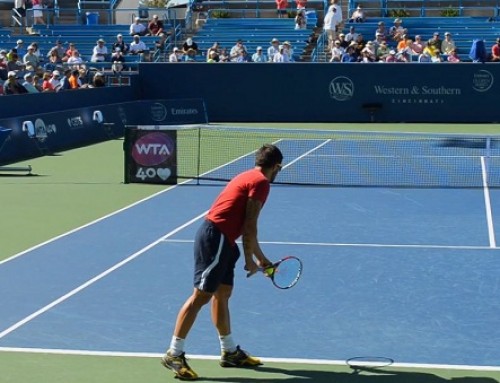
x,y
368,363
285,273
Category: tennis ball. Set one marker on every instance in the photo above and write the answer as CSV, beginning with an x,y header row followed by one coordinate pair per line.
x,y
269,271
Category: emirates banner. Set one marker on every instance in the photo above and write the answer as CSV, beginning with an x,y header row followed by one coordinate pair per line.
x,y
150,156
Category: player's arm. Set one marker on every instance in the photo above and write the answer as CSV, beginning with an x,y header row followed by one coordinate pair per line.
x,y
251,245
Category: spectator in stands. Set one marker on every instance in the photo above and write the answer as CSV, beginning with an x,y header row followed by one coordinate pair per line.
x,y
242,56
119,43
403,43
3,65
100,52
69,52
352,35
273,49
74,79
358,16
379,38
13,63
213,57
37,6
289,50
11,86
425,56
281,56
58,48
300,19
46,84
360,43
435,42
118,59
447,44
382,51
495,51
259,56
330,26
343,42
418,46
161,44
155,26
391,57
434,53
337,52
350,55
281,8
137,46
54,60
234,53
98,81
214,48
381,29
20,49
190,56
189,44
30,60
369,52
28,83
64,83
223,55
36,51
175,56
55,79
75,60
397,31
453,57
338,12
137,28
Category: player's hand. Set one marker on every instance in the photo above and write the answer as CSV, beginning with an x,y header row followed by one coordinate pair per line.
x,y
251,267
264,262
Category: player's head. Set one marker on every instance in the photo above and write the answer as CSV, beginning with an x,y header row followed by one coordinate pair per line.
x,y
269,159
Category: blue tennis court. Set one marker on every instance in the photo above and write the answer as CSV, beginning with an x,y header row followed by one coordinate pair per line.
x,y
412,274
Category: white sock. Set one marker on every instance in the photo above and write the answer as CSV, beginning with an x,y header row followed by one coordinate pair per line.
x,y
176,346
227,343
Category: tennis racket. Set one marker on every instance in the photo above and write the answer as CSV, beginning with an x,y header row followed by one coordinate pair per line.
x,y
285,273
367,363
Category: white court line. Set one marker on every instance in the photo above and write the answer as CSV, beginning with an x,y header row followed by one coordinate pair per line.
x,y
97,278
487,203
307,153
381,245
217,357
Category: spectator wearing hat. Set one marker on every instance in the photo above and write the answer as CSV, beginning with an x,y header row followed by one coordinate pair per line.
x,y
337,52
55,79
435,42
30,59
175,56
155,26
100,52
289,50
343,42
358,16
20,49
28,83
397,31
391,57
495,51
273,49
259,56
447,44
11,86
137,28
281,56
119,43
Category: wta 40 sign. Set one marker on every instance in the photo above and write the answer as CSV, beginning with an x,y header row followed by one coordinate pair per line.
x,y
150,156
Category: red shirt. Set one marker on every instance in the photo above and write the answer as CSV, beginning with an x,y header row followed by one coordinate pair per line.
x,y
228,210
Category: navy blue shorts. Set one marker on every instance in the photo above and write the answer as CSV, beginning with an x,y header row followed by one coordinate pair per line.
x,y
214,258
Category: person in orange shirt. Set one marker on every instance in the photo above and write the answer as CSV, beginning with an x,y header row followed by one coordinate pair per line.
x,y
73,79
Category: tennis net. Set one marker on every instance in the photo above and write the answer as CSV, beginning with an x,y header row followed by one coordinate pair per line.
x,y
339,158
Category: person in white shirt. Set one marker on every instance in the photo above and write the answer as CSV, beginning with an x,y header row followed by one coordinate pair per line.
x,y
175,56
100,52
448,45
137,46
258,56
358,16
273,49
75,58
288,50
352,35
55,80
28,83
281,56
337,52
330,25
137,28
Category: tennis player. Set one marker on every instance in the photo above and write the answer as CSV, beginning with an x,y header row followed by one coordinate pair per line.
x,y
234,213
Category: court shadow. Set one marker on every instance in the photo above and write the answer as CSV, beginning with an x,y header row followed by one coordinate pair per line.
x,y
364,375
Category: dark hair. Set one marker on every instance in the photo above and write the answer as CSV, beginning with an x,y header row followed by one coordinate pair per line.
x,y
268,156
